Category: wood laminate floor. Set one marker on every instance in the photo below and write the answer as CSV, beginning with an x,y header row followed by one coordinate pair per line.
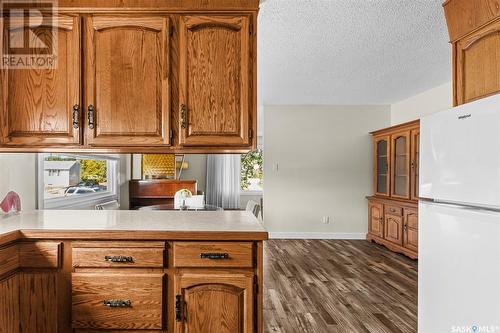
x,y
338,286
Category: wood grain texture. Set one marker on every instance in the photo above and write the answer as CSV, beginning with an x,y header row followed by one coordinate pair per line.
x,y
143,290
9,305
415,163
95,257
214,80
9,259
37,104
338,286
215,303
478,64
127,80
465,16
163,5
157,192
393,229
40,254
400,164
38,300
187,254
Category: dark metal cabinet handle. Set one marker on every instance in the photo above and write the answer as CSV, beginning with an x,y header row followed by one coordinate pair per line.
x,y
178,305
184,111
76,116
91,110
117,303
413,164
119,258
216,256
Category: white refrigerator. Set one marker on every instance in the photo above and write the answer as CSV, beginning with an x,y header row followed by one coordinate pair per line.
x,y
459,220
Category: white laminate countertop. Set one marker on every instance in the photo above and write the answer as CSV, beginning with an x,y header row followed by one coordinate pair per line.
x,y
151,222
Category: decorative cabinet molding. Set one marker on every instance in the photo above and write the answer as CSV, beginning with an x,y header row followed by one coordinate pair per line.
x,y
178,77
392,210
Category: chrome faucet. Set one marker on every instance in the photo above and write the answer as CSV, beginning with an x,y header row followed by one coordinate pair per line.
x,y
11,203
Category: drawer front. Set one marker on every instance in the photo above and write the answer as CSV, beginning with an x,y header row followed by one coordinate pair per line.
x,y
118,257
40,254
213,254
393,210
112,301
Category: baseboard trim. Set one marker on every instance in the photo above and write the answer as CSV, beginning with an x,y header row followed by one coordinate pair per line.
x,y
317,235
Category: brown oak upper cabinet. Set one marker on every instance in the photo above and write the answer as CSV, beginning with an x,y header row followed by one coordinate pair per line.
x,y
42,107
127,81
474,28
214,81
142,76
415,163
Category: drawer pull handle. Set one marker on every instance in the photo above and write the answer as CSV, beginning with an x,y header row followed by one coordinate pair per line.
x,y
119,258
178,305
118,303
216,256
393,210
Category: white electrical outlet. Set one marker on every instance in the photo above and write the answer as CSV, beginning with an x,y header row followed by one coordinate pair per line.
x,y
326,219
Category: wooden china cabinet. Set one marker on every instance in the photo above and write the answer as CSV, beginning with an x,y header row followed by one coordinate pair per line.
x,y
392,210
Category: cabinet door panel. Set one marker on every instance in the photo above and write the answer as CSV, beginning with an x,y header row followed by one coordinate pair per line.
x,y
214,89
375,218
400,165
381,165
9,305
215,303
415,163
393,229
127,71
36,106
478,64
411,229
38,297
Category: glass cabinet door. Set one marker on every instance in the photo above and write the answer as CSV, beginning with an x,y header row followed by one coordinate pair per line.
x,y
400,165
415,152
381,167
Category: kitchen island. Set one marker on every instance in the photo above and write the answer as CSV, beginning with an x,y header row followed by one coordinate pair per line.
x,y
131,271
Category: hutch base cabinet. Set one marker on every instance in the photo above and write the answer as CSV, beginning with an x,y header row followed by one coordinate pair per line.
x,y
393,209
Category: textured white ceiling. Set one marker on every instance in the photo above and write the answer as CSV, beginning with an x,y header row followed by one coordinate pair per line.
x,y
320,52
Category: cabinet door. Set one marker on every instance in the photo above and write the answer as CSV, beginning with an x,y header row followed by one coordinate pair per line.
x,y
214,303
393,229
214,81
9,305
415,163
410,229
375,219
400,165
38,299
127,81
478,64
381,170
41,107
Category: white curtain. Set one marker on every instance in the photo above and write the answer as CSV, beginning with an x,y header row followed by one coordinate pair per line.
x,y
223,180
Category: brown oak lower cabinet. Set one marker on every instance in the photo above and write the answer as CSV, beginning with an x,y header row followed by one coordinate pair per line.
x,y
131,286
393,224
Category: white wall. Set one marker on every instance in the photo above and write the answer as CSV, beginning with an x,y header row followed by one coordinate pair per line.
x,y
324,158
18,173
430,101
